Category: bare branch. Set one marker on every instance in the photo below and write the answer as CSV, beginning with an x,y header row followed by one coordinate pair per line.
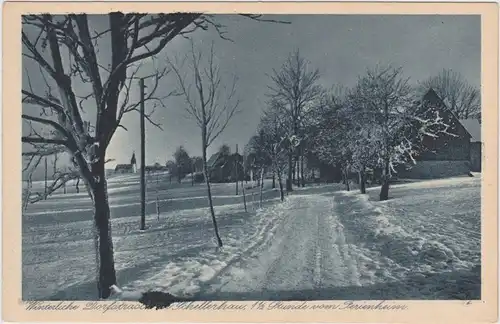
x,y
36,56
60,179
211,114
40,140
37,100
167,27
192,108
461,98
55,125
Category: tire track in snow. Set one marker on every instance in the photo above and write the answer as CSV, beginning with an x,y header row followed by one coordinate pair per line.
x,y
339,266
267,227
293,253
319,255
308,252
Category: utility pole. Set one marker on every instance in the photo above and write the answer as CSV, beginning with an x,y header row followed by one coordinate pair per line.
x,y
236,160
143,158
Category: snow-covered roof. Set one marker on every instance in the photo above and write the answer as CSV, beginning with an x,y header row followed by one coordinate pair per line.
x,y
214,159
473,127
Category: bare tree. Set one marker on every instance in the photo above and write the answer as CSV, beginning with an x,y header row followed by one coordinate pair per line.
x,y
60,176
295,85
358,139
27,185
66,50
273,130
71,59
242,182
211,104
54,163
463,99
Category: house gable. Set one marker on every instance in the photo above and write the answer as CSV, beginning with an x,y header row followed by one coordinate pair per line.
x,y
214,160
445,147
225,167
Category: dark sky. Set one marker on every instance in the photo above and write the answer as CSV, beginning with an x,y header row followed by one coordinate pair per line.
x,y
340,46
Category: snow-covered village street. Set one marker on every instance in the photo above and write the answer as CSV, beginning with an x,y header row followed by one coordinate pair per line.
x,y
321,243
199,157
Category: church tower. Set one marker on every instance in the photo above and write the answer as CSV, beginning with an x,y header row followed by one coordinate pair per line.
x,y
133,162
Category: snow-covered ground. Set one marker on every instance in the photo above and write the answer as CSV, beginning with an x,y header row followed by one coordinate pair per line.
x,y
321,243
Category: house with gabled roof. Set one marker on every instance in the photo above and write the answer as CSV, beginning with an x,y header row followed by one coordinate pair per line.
x,y
124,168
225,167
127,168
445,155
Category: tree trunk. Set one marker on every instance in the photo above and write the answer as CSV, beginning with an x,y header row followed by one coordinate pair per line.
x,y
302,171
236,173
290,169
384,190
296,176
274,180
157,198
209,194
244,196
261,186
362,181
77,185
27,193
282,194
102,223
346,180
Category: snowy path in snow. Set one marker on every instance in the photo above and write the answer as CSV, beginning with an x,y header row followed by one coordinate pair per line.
x,y
343,245
309,252
312,250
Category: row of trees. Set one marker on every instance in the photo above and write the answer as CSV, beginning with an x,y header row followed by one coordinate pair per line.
x,y
376,125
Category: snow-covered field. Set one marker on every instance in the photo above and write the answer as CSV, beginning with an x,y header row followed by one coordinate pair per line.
x,y
321,243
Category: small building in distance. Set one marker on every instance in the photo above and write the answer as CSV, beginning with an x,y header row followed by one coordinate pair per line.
x,y
157,167
124,168
127,168
225,167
